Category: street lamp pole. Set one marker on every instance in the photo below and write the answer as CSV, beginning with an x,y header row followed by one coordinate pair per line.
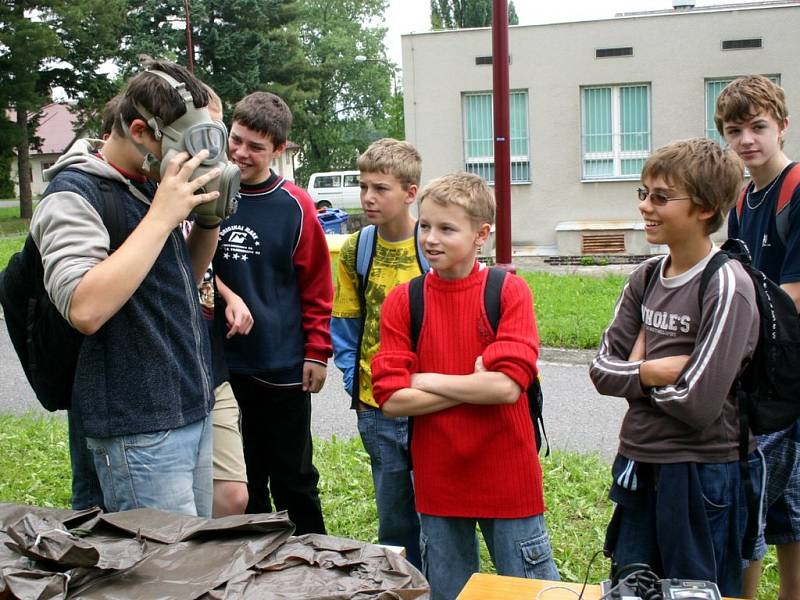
x,y
189,43
502,134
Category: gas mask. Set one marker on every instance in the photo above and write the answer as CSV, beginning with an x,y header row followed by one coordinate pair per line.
x,y
193,132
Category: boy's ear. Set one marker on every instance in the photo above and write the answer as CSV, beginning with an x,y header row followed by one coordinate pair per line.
x,y
703,214
482,234
140,131
411,194
279,150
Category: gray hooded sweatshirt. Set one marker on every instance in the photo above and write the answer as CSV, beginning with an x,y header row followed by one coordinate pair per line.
x,y
146,369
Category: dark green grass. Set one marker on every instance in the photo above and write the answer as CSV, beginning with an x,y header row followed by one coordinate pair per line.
x,y
573,310
8,246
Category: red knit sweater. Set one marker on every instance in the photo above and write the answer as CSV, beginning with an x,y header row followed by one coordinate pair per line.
x,y
469,460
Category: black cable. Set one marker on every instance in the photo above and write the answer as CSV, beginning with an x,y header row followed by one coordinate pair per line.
x,y
588,569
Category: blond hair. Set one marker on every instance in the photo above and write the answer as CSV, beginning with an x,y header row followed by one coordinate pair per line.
x,y
710,175
466,190
746,97
392,157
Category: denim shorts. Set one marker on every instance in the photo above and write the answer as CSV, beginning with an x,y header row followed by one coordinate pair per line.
x,y
168,470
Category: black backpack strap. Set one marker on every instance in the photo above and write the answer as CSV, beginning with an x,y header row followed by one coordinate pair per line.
x,y
713,265
491,296
416,305
113,214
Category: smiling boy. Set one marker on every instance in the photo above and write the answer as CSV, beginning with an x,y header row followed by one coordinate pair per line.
x,y
752,116
473,445
680,503
273,254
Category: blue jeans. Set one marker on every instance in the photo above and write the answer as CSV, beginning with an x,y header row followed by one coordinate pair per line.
x,y
86,491
689,532
168,470
386,442
450,555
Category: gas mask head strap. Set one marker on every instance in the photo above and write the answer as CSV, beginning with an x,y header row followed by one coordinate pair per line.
x,y
156,123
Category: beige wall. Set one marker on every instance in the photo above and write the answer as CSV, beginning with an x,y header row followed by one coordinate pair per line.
x,y
674,53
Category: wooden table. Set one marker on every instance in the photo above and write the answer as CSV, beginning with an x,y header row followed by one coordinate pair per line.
x,y
482,586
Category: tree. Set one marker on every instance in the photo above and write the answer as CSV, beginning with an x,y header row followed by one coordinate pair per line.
x,y
240,46
458,14
48,43
353,103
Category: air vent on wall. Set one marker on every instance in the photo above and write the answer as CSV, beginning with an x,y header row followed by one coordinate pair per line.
x,y
602,243
741,44
613,52
487,60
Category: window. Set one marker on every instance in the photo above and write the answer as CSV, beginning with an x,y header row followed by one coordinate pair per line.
x,y
351,181
616,131
328,181
713,89
613,52
479,136
747,44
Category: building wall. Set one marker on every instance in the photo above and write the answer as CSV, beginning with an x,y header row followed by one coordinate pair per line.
x,y
38,163
675,53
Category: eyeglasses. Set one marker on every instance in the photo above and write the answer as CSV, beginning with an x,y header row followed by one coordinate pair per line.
x,y
657,198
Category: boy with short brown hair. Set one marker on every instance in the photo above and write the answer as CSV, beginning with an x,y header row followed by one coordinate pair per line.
x,y
676,480
390,173
474,451
753,117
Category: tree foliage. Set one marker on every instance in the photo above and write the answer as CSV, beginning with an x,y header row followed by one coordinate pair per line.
x,y
356,100
459,14
48,43
240,46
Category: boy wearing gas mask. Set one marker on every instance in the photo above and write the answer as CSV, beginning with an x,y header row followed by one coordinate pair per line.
x,y
273,254
142,390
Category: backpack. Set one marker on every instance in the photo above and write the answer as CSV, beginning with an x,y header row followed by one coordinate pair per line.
x,y
789,185
47,346
492,305
768,390
366,241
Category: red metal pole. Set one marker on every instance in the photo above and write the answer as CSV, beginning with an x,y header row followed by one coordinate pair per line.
x,y
502,136
189,43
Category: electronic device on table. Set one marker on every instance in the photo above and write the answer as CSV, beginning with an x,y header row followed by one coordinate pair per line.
x,y
643,584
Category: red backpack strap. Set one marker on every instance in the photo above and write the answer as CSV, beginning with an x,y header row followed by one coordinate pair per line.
x,y
740,202
788,187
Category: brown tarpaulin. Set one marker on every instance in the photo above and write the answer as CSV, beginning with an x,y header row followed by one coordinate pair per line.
x,y
52,554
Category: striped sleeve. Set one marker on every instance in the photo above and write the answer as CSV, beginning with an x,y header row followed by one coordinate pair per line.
x,y
611,371
725,342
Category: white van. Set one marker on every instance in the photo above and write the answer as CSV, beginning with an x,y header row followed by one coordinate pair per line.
x,y
335,189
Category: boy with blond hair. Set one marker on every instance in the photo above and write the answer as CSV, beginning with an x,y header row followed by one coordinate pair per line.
x,y
681,504
753,117
464,383
390,174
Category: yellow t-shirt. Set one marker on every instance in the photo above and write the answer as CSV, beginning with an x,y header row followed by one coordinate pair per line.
x,y
393,263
